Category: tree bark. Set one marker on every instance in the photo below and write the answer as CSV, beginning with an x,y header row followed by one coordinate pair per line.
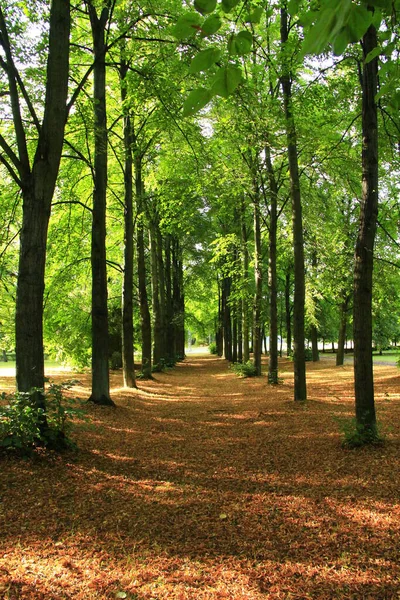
x,y
178,299
342,331
364,251
245,308
155,282
37,185
288,316
170,332
100,369
300,388
272,275
128,365
257,339
314,343
145,321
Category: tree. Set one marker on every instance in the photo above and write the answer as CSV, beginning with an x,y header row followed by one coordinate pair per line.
x,y
364,252
35,171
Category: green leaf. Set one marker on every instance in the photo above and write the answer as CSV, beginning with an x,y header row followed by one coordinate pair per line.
x,y
196,100
211,25
186,26
226,81
228,5
255,15
360,18
318,37
240,44
371,55
293,7
329,24
341,41
204,60
386,4
205,6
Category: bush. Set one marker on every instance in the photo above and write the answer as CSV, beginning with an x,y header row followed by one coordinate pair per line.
x,y
19,422
244,369
116,361
357,435
308,354
23,425
213,348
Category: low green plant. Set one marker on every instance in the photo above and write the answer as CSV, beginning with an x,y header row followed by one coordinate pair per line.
x,y
19,422
213,348
357,435
24,426
246,369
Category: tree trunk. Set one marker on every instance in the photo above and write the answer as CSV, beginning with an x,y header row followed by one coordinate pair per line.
x,y
178,299
300,389
342,331
100,373
364,252
227,323
37,186
155,282
314,343
128,366
162,293
234,334
272,275
145,321
245,276
170,332
219,336
257,338
288,316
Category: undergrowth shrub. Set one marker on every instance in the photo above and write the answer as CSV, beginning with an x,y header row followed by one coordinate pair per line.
x,y
357,435
246,369
24,426
213,348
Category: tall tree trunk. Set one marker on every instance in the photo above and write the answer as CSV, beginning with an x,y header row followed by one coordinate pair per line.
x,y
145,321
342,331
169,314
100,373
128,366
37,186
272,275
245,276
227,322
178,299
219,336
300,389
239,332
288,316
364,252
314,343
162,292
257,339
155,282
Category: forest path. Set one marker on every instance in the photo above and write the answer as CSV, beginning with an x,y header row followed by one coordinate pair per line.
x,y
201,485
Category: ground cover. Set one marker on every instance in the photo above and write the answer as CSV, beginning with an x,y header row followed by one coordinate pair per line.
x,y
200,485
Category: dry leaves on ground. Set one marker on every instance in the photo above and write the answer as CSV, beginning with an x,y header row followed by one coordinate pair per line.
x,y
200,485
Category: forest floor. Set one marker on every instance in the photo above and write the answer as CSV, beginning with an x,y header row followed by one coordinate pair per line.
x,y
200,485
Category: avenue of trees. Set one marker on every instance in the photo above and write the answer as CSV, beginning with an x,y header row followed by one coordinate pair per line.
x,y
223,171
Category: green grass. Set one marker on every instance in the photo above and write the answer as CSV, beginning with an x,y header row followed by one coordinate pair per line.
x,y
387,356
48,364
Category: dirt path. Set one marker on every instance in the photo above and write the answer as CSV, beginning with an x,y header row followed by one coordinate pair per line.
x,y
204,486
